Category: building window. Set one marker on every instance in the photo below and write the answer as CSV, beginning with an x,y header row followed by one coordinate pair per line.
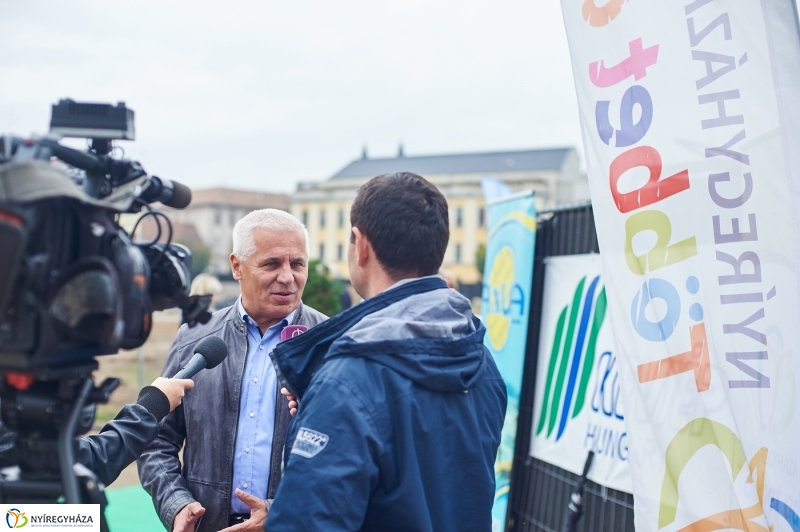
x,y
481,216
217,217
459,218
341,217
305,218
458,253
233,217
322,218
322,252
340,252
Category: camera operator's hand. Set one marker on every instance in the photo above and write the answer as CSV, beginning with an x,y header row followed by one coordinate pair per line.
x,y
292,401
174,389
188,517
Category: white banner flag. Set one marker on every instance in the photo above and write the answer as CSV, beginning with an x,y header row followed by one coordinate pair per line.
x,y
690,113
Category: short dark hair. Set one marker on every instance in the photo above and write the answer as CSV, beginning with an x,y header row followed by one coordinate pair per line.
x,y
405,219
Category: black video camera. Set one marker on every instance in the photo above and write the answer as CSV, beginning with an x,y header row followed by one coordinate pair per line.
x,y
73,284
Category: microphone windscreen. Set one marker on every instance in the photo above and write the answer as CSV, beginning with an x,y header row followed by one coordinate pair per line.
x,y
213,350
181,196
290,331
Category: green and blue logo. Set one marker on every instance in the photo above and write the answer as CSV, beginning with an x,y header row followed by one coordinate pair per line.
x,y
569,349
19,518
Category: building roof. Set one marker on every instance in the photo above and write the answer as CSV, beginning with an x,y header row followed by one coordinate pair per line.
x,y
231,197
504,161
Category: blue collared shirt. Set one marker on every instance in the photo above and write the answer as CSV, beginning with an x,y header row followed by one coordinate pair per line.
x,y
253,449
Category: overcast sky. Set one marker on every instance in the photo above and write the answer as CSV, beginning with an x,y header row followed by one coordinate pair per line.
x,y
262,94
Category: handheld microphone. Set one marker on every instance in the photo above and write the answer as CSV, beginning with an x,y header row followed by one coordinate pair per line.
x,y
291,331
208,353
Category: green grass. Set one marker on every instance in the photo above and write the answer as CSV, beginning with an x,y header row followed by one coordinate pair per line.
x,y
131,510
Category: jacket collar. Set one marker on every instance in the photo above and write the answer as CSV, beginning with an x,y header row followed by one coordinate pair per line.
x,y
289,319
298,359
236,317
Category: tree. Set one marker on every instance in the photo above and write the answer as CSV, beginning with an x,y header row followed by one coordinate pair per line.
x,y
322,293
480,257
201,256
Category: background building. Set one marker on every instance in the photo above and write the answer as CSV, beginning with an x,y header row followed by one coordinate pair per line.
x,y
214,211
324,207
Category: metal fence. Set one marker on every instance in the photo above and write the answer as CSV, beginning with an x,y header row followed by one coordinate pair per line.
x,y
540,491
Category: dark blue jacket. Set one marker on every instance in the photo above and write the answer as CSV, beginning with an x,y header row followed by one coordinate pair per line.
x,y
401,410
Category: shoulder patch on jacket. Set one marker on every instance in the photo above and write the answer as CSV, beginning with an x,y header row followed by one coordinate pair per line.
x,y
309,443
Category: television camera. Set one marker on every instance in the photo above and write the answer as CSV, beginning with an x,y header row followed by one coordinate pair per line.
x,y
75,285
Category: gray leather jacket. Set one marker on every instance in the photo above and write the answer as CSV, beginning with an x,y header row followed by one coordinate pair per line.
x,y
207,422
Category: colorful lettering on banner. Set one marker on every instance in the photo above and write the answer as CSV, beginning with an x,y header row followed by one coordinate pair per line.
x,y
742,518
635,65
689,117
696,360
630,133
655,190
787,513
687,442
691,438
600,16
663,253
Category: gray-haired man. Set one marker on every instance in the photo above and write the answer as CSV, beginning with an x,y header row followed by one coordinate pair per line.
x,y
235,431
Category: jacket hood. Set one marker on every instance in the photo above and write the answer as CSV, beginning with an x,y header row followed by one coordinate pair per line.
x,y
420,329
431,339
297,360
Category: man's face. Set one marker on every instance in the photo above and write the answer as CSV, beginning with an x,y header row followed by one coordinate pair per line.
x,y
272,279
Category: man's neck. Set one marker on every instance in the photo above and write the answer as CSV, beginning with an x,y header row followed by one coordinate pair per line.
x,y
382,282
263,323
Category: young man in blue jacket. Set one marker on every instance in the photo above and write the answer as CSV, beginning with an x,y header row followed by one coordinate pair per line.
x,y
400,405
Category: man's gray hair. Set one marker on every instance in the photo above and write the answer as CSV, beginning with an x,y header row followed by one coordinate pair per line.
x,y
244,244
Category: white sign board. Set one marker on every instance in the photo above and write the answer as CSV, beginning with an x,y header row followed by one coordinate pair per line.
x,y
578,401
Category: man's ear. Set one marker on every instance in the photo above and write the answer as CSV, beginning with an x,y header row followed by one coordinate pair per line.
x,y
236,268
362,246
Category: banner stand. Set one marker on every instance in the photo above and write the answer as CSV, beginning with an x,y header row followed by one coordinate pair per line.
x,y
540,491
506,300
